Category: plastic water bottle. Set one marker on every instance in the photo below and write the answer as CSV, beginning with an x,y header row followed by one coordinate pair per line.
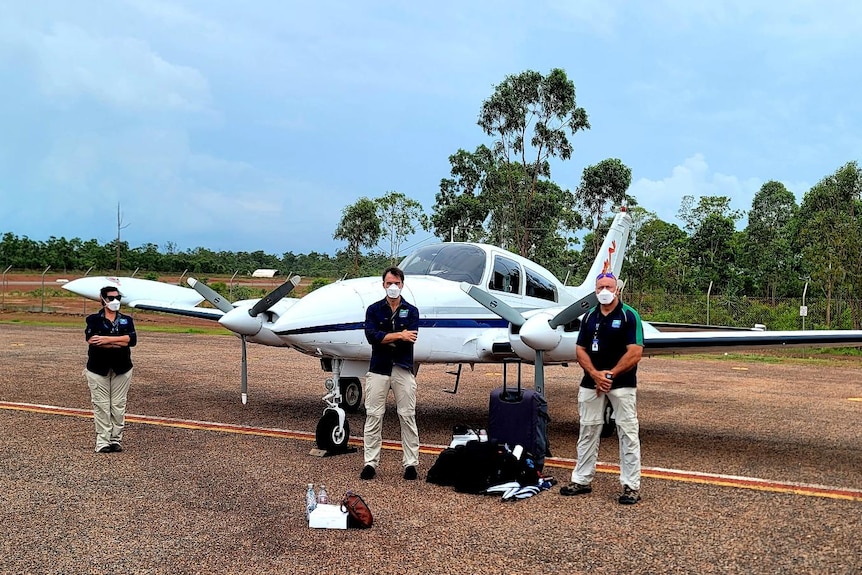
x,y
322,495
310,500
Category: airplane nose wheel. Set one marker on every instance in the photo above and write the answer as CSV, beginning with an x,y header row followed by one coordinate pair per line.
x,y
330,435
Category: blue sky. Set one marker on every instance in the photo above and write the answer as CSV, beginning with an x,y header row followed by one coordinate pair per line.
x,y
249,126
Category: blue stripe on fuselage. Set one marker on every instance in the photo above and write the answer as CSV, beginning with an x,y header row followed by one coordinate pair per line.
x,y
423,323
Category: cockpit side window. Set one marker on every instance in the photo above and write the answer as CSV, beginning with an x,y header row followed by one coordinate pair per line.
x,y
455,262
540,287
506,277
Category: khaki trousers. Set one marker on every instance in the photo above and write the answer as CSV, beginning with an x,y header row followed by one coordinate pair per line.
x,y
108,393
403,386
591,408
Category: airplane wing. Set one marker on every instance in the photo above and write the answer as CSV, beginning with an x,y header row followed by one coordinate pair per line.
x,y
178,309
671,326
665,343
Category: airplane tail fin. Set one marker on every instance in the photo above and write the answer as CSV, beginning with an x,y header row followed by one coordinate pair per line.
x,y
613,250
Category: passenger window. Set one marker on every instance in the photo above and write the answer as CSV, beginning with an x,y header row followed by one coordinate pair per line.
x,y
538,286
506,277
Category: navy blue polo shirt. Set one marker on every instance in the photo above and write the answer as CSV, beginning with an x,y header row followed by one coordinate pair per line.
x,y
101,360
380,320
612,334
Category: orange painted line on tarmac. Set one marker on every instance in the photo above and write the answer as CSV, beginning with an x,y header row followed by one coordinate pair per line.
x,y
558,462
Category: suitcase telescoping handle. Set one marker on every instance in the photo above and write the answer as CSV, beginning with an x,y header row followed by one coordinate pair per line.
x,y
510,394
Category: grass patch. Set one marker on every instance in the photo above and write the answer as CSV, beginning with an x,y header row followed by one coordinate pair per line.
x,y
140,328
183,329
801,356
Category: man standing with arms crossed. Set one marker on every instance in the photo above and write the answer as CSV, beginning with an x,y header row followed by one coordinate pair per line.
x,y
391,327
609,347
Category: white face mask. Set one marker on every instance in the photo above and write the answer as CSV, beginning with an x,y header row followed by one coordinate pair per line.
x,y
605,296
393,291
114,305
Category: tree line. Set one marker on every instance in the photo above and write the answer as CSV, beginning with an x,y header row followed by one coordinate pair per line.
x,y
502,192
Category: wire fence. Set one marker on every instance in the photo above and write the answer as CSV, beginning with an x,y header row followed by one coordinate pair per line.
x,y
744,311
717,310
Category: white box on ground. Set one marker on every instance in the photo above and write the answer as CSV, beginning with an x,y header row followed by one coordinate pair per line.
x,y
326,516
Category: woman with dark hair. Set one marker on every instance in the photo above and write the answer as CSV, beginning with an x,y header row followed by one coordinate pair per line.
x,y
110,334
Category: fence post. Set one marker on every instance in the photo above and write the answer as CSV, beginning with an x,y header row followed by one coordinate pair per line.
x,y
708,293
3,305
43,287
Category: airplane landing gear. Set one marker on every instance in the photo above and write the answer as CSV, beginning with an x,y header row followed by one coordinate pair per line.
x,y
333,431
351,394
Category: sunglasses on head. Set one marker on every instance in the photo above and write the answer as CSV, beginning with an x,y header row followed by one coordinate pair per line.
x,y
112,297
606,275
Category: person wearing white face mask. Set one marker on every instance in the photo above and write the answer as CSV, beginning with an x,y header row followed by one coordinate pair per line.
x,y
609,347
110,335
391,327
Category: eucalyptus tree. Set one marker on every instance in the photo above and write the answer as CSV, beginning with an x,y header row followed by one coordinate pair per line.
x,y
398,216
530,117
602,186
462,205
713,242
830,237
694,215
359,227
147,257
657,258
767,249
712,253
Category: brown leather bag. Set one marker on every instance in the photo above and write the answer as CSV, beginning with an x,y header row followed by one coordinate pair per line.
x,y
358,514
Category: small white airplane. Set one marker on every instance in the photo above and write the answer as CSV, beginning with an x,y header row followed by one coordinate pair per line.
x,y
478,304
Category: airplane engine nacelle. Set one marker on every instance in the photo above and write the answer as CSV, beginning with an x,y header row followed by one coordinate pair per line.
x,y
536,334
266,337
239,321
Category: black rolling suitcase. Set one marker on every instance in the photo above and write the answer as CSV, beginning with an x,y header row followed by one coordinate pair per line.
x,y
519,417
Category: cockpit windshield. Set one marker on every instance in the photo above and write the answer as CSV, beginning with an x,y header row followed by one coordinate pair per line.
x,y
455,262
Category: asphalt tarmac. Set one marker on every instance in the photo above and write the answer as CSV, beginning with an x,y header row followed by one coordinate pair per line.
x,y
749,467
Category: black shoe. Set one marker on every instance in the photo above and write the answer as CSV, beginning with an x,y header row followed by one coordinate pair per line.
x,y
630,496
116,447
106,449
368,472
410,473
575,489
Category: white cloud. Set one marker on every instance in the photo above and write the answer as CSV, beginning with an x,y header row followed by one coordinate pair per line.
x,y
123,72
250,126
692,178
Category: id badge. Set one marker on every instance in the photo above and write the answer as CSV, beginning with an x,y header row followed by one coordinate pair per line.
x,y
595,344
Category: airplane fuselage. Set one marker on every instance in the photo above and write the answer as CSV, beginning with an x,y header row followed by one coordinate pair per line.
x,y
453,328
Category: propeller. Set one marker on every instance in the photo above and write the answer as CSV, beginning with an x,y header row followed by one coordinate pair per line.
x,y
210,295
574,311
497,306
274,296
236,320
536,331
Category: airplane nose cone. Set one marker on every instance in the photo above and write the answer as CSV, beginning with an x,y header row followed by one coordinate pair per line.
x,y
537,333
238,321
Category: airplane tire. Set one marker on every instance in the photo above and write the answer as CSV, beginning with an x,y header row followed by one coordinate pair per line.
x,y
328,435
351,394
